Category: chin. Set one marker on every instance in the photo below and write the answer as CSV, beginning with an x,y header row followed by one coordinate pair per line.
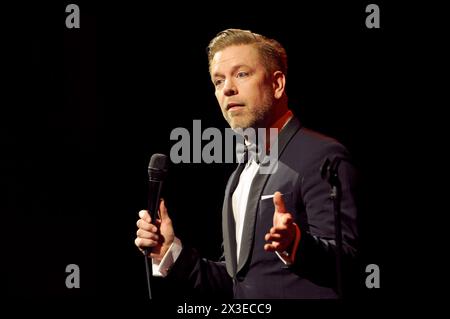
x,y
239,124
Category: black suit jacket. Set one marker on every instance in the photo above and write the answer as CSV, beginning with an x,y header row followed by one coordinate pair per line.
x,y
261,274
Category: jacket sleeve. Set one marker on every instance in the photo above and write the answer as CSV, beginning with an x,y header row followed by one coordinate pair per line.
x,y
205,278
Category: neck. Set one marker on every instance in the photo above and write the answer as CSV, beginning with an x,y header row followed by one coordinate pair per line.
x,y
278,124
282,119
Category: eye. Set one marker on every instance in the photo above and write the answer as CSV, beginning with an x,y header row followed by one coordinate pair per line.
x,y
242,74
218,82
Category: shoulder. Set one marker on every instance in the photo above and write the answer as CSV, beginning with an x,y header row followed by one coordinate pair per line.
x,y
307,150
313,142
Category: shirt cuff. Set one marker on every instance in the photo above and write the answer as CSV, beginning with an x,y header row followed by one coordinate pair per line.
x,y
161,267
288,258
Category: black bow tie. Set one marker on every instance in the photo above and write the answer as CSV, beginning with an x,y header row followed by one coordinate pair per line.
x,y
251,153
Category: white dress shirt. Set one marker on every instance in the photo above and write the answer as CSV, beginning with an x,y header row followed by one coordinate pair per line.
x,y
240,198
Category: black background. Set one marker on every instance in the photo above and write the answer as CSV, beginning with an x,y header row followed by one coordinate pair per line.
x,y
85,109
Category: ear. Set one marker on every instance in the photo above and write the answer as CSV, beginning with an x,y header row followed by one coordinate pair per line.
x,y
279,84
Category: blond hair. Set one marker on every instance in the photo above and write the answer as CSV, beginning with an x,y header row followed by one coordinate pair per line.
x,y
272,52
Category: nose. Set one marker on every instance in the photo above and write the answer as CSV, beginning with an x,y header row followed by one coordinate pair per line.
x,y
230,88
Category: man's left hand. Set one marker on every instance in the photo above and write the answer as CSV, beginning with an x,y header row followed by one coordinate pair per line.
x,y
282,235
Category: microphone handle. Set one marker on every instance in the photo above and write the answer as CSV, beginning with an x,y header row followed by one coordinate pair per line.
x,y
153,206
154,194
148,273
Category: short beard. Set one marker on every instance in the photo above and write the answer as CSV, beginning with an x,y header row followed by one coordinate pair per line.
x,y
260,117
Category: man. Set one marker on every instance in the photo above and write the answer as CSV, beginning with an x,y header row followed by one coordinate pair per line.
x,y
278,229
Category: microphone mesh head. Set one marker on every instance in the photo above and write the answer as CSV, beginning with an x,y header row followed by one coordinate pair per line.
x,y
158,166
158,161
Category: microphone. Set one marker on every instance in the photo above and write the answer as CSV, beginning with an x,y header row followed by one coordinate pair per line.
x,y
157,171
329,172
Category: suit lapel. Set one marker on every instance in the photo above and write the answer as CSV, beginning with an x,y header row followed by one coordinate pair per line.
x,y
228,224
255,193
250,217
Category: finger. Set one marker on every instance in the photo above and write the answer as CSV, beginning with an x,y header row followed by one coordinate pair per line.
x,y
145,243
146,234
282,221
283,231
272,237
142,224
278,230
278,202
143,214
271,247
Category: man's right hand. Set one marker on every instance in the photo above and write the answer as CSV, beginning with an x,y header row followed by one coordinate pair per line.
x,y
157,236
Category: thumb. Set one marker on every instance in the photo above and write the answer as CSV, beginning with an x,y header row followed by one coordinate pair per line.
x,y
163,214
278,202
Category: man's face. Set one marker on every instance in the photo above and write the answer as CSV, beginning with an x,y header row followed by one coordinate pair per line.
x,y
243,87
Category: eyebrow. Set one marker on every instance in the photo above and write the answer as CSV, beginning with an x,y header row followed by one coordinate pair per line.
x,y
234,68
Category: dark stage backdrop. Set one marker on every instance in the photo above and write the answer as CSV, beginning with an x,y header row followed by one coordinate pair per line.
x,y
87,107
